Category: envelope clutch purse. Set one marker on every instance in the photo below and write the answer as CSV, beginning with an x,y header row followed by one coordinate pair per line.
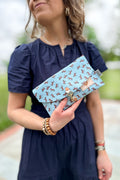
x,y
75,81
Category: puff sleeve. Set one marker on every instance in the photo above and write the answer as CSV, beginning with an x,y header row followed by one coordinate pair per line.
x,y
19,70
96,59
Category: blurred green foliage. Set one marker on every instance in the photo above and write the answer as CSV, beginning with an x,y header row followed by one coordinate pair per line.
x,y
111,89
110,55
4,121
22,38
89,32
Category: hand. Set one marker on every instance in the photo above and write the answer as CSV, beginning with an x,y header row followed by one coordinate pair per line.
x,y
104,165
60,118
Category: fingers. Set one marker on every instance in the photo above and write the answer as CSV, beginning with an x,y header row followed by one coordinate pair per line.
x,y
62,105
72,108
107,176
103,175
100,174
75,105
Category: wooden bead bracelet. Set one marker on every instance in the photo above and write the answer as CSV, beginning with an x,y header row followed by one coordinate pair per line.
x,y
46,128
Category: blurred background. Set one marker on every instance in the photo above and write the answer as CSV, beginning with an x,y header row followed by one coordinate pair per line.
x,y
103,29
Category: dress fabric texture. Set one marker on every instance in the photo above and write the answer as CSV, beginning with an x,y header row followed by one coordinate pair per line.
x,y
70,154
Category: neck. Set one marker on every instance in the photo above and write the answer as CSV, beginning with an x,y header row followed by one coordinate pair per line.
x,y
57,32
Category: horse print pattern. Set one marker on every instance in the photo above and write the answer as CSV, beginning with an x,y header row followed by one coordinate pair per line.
x,y
79,78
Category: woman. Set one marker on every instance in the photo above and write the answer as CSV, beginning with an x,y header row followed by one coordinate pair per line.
x,y
69,153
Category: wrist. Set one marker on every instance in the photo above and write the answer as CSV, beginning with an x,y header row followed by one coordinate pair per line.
x,y
100,141
46,127
102,152
52,125
100,146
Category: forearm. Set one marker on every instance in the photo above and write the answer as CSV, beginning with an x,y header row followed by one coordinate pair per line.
x,y
104,165
94,106
26,118
96,113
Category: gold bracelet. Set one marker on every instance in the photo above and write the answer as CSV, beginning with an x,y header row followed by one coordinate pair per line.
x,y
47,127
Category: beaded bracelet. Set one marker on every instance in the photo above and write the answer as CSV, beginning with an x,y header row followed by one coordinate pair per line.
x,y
100,145
100,148
46,127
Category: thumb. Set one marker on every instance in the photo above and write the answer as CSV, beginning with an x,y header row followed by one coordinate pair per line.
x,y
100,174
62,105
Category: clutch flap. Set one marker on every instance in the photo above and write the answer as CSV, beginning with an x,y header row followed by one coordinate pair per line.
x,y
73,77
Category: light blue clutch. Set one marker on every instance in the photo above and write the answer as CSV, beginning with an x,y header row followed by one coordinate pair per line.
x,y
74,82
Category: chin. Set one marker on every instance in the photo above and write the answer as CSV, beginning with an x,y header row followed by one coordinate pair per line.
x,y
43,18
43,21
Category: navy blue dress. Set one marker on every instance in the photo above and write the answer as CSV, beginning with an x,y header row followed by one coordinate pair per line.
x,y
70,154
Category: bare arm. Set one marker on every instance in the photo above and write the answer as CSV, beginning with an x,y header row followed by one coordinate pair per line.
x,y
95,108
17,113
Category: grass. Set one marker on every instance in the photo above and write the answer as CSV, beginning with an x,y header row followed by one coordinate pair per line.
x,y
4,121
111,90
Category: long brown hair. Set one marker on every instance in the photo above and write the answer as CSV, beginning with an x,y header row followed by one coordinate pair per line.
x,y
75,19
